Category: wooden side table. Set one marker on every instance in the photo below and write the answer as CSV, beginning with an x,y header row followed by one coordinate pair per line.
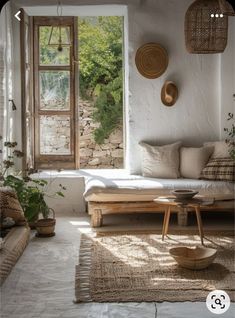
x,y
194,203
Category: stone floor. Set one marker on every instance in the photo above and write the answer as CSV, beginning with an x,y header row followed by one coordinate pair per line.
x,y
42,283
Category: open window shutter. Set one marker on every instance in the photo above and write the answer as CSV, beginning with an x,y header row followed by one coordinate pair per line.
x,y
26,39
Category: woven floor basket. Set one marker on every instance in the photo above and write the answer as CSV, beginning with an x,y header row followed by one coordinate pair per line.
x,y
203,33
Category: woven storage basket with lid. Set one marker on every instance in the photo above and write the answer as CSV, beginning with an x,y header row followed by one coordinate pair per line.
x,y
151,60
203,33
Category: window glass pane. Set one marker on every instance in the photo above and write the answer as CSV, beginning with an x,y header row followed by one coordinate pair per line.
x,y
55,135
49,54
54,90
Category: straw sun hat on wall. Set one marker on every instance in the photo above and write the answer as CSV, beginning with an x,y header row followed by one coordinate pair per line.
x,y
169,93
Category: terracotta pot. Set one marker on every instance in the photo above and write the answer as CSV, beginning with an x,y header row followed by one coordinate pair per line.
x,y
45,227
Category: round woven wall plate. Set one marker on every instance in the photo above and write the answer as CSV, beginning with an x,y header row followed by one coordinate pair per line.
x,y
151,60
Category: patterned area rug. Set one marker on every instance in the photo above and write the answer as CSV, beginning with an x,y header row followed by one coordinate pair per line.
x,y
137,267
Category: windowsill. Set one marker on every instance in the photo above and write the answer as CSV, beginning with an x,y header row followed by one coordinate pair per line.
x,y
80,173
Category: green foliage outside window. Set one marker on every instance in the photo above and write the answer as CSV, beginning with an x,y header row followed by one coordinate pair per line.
x,y
100,67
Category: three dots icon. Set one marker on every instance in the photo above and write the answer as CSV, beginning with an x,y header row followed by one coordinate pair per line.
x,y
217,15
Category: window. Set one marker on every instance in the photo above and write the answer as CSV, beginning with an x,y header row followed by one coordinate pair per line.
x,y
55,93
75,116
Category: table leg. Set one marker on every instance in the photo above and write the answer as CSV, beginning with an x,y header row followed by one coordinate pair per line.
x,y
167,220
199,222
164,223
182,216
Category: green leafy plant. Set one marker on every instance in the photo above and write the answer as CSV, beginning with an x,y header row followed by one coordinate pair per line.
x,y
31,193
108,109
231,135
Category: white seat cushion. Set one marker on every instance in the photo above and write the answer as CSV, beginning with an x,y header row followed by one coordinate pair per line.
x,y
123,187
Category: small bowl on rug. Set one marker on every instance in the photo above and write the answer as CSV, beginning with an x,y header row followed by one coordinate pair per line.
x,y
184,194
193,258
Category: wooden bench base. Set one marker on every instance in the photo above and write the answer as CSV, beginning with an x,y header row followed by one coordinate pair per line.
x,y
98,209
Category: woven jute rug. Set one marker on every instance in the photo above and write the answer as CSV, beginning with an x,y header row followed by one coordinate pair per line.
x,y
137,267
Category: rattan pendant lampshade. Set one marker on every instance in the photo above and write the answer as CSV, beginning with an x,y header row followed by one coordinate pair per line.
x,y
226,8
206,29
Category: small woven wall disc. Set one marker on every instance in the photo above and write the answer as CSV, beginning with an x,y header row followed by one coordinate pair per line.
x,y
151,60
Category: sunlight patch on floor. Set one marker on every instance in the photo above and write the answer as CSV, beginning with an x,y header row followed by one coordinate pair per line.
x,y
84,230
79,223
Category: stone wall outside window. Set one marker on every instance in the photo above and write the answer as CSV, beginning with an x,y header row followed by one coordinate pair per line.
x,y
93,156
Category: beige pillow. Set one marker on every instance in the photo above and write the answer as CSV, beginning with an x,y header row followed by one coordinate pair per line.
x,y
193,160
160,161
221,148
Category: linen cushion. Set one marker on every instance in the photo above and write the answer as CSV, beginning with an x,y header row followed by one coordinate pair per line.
x,y
10,206
222,169
193,160
221,148
160,161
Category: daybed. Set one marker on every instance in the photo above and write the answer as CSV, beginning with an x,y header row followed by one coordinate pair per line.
x,y
117,192
208,169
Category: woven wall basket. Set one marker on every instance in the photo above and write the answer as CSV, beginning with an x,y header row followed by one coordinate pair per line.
x,y
204,34
151,60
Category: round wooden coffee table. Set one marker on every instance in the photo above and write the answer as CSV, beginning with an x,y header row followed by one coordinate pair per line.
x,y
194,203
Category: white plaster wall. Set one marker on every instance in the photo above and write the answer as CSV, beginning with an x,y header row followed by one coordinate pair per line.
x,y
195,116
74,183
227,78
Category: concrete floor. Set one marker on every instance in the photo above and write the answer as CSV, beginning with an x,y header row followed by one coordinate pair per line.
x,y
42,283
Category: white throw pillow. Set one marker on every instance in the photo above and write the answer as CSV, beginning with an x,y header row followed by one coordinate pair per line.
x,y
221,148
160,161
193,160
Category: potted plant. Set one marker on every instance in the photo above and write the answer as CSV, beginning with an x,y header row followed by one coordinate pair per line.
x,y
31,192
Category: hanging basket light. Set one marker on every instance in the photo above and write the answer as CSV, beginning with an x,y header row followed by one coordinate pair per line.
x,y
226,8
57,39
206,28
56,33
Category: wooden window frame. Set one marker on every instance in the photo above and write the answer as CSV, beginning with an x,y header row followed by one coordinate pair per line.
x,y
30,93
57,161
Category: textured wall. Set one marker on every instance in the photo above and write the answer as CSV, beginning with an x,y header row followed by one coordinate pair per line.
x,y
195,116
227,78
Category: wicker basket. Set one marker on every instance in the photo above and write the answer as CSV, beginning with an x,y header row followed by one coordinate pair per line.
x,y
46,227
205,34
151,60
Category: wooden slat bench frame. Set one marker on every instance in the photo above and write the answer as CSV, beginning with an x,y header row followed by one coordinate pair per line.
x,y
98,209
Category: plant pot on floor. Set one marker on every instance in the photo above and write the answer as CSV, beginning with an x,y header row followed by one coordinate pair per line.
x,y
32,224
46,227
